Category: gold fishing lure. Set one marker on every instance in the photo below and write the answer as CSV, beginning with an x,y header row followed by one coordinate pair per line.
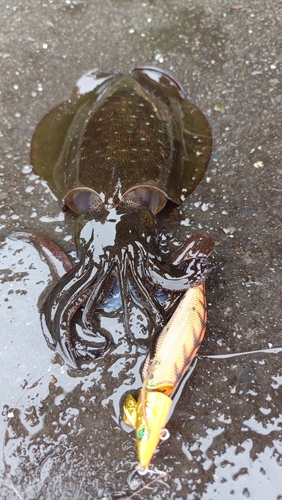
x,y
174,351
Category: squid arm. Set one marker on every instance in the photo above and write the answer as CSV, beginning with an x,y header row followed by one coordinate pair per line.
x,y
165,276
65,298
187,266
55,257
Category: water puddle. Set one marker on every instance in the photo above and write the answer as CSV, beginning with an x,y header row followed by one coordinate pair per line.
x,y
61,428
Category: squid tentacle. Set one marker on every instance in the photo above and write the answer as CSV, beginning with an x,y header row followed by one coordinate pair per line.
x,y
58,262
91,341
154,308
196,246
122,276
170,302
96,297
84,351
176,279
61,304
101,285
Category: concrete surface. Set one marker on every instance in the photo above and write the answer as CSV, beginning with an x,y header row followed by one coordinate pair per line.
x,y
60,430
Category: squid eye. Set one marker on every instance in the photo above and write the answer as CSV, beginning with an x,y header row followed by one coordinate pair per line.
x,y
145,196
81,200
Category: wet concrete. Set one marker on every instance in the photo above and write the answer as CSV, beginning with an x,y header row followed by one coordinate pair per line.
x,y
61,432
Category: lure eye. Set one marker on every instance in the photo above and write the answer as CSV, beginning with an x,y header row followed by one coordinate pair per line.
x,y
164,434
143,434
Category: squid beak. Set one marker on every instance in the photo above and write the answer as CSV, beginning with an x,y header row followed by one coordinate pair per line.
x,y
150,428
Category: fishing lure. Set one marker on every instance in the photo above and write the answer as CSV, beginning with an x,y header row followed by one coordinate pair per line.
x,y
164,368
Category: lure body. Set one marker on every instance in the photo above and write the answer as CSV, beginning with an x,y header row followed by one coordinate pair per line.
x,y
178,343
174,351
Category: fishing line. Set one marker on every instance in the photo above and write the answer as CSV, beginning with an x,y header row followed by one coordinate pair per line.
x,y
162,474
15,491
274,350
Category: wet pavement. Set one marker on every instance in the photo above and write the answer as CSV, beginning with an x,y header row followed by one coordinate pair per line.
x,y
61,430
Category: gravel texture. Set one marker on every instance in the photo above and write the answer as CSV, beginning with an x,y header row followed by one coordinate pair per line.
x,y
62,437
